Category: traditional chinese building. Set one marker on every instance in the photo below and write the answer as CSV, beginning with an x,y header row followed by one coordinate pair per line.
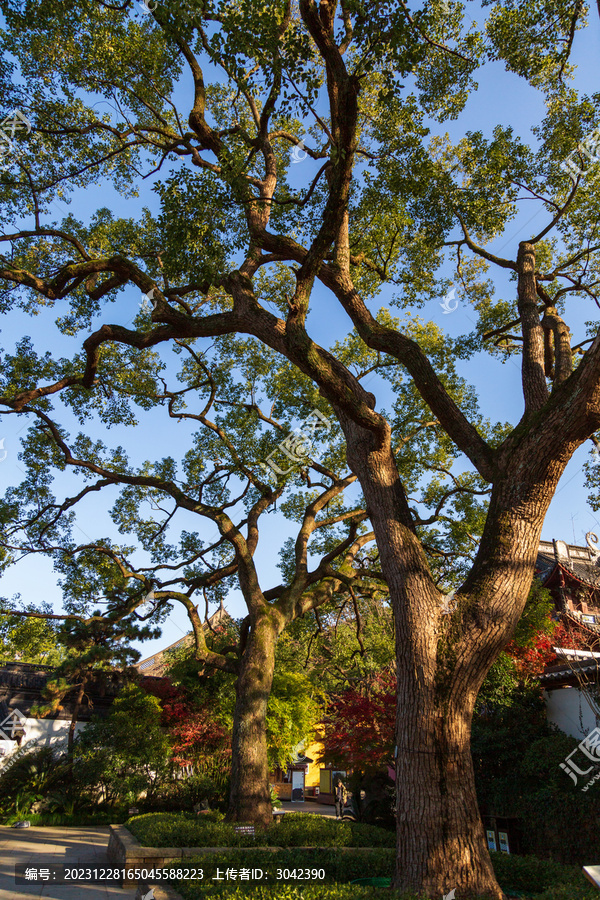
x,y
572,575
21,689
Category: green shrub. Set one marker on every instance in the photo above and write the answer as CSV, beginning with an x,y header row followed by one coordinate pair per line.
x,y
33,778
191,890
186,830
561,826
184,794
528,873
340,866
296,830
517,757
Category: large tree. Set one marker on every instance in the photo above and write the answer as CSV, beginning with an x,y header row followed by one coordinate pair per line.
x,y
240,248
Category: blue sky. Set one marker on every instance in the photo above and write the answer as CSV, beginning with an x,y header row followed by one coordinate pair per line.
x,y
501,99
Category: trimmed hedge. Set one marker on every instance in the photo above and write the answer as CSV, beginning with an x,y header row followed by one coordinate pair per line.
x,y
524,877
296,829
519,876
339,867
528,873
191,891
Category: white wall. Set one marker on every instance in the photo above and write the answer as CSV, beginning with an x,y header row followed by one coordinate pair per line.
x,y
48,731
569,710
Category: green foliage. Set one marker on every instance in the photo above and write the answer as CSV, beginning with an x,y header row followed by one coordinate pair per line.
x,y
333,657
185,793
506,684
29,640
32,779
292,714
293,709
191,890
127,752
528,873
517,756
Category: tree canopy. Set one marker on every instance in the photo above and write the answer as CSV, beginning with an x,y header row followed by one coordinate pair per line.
x,y
281,292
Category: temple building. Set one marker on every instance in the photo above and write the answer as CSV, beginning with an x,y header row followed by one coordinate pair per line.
x,y
572,575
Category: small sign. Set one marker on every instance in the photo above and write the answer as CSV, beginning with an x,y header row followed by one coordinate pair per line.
x,y
503,841
491,839
589,620
133,811
244,829
592,873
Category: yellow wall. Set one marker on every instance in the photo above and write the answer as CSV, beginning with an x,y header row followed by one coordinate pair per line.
x,y
313,751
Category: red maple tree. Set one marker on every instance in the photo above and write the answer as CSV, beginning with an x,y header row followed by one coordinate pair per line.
x,y
358,730
194,733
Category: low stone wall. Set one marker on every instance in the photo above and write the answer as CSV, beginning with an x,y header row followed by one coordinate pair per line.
x,y
126,852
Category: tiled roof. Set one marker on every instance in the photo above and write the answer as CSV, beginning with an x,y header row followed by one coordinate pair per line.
x,y
156,665
581,562
573,670
21,686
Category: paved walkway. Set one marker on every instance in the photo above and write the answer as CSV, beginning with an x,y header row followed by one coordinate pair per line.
x,y
83,847
308,806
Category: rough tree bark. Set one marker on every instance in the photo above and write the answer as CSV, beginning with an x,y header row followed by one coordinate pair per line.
x,y
249,798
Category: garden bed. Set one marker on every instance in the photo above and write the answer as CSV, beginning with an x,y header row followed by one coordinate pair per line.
x,y
295,830
339,854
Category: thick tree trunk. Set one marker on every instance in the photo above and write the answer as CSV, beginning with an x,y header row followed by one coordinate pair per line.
x,y
249,798
442,657
440,837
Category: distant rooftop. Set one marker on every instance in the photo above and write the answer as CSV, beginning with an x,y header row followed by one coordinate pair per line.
x,y
582,562
157,664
